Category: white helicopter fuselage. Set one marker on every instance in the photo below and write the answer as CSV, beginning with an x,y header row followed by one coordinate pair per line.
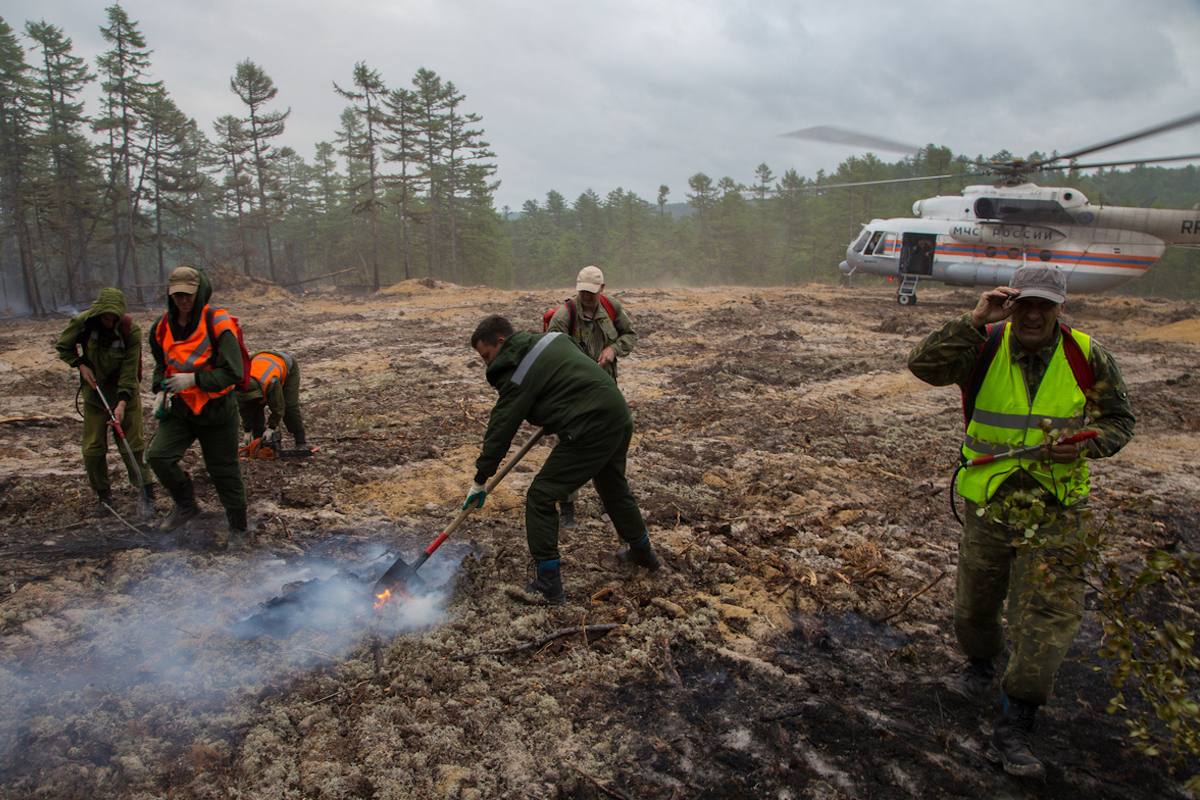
x,y
984,235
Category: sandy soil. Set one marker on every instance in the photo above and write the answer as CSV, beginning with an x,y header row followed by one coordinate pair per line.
x,y
795,478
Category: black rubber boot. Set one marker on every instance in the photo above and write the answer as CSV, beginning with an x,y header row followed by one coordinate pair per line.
x,y
641,554
548,583
1010,740
100,512
301,441
975,678
566,516
238,529
186,507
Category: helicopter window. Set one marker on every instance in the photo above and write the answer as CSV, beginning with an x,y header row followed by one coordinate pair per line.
x,y
886,246
862,240
1044,255
874,245
1014,252
989,251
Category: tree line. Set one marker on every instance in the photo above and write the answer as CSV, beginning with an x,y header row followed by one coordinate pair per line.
x,y
403,189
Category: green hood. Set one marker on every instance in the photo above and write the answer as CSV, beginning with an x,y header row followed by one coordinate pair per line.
x,y
109,301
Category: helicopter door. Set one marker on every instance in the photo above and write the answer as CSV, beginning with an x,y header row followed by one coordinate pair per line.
x,y
916,254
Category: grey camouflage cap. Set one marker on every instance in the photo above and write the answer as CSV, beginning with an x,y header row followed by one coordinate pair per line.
x,y
1040,281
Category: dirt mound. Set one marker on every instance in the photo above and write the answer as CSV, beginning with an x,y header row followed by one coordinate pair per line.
x,y
417,286
231,287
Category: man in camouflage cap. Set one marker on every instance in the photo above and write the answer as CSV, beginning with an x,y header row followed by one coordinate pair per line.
x,y
1038,370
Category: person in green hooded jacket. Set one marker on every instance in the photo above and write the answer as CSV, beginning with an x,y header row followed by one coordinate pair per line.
x,y
107,351
197,364
547,380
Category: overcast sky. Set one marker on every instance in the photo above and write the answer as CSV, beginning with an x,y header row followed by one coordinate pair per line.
x,y
639,93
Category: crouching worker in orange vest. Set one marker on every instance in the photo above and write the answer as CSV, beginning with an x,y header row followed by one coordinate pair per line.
x,y
197,363
274,384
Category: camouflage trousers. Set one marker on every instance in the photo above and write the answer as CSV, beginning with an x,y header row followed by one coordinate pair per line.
x,y
1044,615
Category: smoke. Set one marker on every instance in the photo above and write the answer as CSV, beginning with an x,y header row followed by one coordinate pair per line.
x,y
172,634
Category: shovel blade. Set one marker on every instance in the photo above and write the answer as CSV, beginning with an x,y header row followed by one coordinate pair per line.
x,y
400,579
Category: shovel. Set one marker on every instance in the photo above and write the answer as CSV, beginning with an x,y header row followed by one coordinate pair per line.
x,y
399,574
145,510
1028,451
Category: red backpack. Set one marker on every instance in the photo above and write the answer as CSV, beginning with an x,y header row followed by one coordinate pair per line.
x,y
570,304
244,383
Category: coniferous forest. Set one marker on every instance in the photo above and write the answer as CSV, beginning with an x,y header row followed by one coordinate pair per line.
x,y
403,188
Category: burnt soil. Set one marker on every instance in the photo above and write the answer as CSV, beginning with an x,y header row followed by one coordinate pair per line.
x,y
795,479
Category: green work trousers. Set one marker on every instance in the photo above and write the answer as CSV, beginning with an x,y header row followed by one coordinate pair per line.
x,y
1043,616
596,453
218,437
95,446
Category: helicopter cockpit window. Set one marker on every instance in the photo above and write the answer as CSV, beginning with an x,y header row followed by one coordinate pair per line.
x,y
862,240
874,245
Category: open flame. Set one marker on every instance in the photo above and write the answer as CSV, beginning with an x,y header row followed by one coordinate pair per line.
x,y
382,598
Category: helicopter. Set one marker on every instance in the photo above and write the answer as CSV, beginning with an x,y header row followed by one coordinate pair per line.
x,y
983,235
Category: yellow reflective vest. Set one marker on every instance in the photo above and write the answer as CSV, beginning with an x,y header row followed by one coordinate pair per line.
x,y
1005,418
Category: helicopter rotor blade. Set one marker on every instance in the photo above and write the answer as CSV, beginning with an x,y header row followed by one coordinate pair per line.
x,y
833,135
1182,122
1193,157
915,179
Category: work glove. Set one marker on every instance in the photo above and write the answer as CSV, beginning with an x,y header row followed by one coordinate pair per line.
x,y
249,438
160,405
475,496
180,381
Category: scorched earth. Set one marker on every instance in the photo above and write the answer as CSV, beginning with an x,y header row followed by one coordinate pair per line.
x,y
795,478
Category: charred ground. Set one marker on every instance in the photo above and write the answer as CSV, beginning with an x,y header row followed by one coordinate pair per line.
x,y
795,478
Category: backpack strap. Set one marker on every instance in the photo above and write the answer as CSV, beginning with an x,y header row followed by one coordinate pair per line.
x,y
570,304
1078,361
983,360
608,306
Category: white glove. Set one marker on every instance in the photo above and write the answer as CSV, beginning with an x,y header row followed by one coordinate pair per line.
x,y
249,438
181,380
477,492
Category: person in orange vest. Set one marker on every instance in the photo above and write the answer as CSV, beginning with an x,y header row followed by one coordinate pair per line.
x,y
275,385
195,372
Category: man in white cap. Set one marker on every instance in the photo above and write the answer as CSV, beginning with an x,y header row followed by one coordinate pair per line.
x,y
602,328
1027,380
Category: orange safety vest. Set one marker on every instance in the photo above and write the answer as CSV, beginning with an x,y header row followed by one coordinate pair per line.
x,y
266,367
195,354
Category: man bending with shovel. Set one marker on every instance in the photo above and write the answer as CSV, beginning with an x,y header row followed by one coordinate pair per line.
x,y
547,380
105,345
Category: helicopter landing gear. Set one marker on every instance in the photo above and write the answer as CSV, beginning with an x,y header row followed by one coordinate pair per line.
x,y
907,294
906,299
